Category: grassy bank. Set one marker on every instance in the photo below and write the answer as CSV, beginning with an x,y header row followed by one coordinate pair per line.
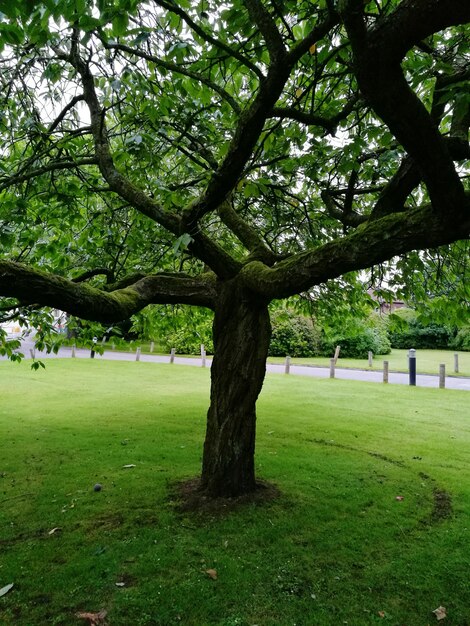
x,y
336,547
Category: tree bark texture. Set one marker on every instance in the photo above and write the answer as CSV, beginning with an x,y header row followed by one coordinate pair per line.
x,y
242,331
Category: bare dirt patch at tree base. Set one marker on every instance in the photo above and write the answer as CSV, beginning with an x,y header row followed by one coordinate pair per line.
x,y
187,496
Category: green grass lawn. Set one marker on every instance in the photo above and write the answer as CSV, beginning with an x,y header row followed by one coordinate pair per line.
x,y
336,547
427,362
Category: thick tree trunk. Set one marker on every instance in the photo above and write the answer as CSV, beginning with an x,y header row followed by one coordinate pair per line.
x,y
241,339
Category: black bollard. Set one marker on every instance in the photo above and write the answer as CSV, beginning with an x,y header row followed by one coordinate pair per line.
x,y
92,351
412,366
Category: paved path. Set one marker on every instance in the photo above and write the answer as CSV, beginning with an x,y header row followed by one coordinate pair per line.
x,y
422,380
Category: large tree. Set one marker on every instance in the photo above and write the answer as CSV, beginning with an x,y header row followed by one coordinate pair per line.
x,y
225,156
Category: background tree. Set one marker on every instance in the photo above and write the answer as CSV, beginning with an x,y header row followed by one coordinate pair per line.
x,y
223,157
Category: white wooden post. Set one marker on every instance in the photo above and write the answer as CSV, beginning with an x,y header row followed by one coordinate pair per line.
x,y
338,348
456,362
32,352
370,356
137,354
385,371
203,355
152,345
332,368
287,365
172,355
442,376
73,351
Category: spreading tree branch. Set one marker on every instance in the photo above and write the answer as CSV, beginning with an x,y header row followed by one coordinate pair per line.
x,y
394,195
117,182
173,67
268,29
316,34
29,285
246,234
53,166
310,119
415,20
382,82
98,271
347,217
251,122
369,244
202,246
199,30
75,100
250,125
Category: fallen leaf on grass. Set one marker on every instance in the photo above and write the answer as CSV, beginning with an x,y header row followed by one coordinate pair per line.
x,y
440,612
120,584
128,466
381,613
6,589
94,619
400,498
212,573
57,529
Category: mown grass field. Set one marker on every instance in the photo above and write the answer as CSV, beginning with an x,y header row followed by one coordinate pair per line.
x,y
336,547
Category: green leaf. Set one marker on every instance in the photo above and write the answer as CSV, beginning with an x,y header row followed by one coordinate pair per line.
x,y
182,243
120,24
35,365
88,22
11,34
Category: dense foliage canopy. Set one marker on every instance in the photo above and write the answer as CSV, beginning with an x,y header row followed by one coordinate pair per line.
x,y
240,138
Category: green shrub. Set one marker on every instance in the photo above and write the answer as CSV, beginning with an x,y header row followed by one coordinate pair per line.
x,y
379,324
181,327
461,340
408,330
188,341
358,338
358,346
293,335
401,318
416,335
